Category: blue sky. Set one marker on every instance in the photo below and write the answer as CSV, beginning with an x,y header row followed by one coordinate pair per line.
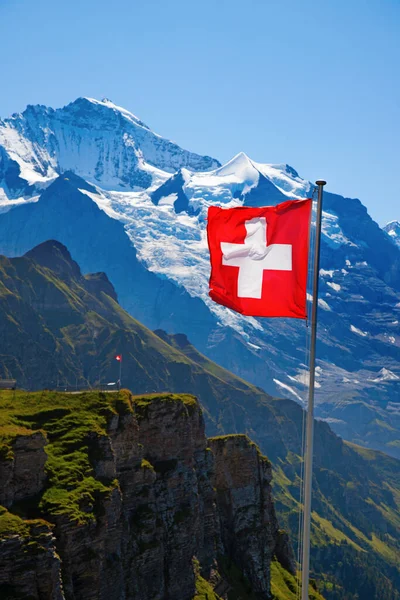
x,y
314,84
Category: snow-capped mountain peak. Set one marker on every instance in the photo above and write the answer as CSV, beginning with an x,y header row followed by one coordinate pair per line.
x,y
108,105
241,180
242,169
98,140
240,166
393,229
234,179
386,375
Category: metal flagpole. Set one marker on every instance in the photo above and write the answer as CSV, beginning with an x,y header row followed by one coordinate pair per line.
x,y
308,461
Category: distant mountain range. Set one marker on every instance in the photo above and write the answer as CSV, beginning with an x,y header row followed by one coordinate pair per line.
x,y
128,202
61,327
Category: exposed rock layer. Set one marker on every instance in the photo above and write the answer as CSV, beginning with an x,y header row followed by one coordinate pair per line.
x,y
29,565
177,502
23,475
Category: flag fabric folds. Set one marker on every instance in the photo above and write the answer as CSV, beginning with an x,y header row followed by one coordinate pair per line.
x,y
259,258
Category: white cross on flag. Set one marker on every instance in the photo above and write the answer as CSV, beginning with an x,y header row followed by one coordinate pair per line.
x,y
259,258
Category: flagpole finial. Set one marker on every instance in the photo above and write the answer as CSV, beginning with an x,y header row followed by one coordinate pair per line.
x,y
320,182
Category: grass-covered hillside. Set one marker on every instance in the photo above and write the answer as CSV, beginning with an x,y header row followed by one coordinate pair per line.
x,y
60,328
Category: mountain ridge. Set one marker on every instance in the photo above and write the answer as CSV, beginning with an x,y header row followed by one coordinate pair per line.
x,y
66,138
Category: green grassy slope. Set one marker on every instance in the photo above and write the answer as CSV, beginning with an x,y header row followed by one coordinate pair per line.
x,y
72,424
60,327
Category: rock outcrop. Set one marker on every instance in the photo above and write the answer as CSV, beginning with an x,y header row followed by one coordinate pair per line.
x,y
174,506
249,528
22,474
29,564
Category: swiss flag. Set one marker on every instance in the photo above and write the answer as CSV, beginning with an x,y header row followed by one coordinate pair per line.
x,y
259,258
118,357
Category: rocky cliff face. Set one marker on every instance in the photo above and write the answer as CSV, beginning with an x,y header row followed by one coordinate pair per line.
x,y
22,473
30,566
248,524
169,506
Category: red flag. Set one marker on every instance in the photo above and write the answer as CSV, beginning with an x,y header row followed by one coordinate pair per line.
x,y
259,258
118,357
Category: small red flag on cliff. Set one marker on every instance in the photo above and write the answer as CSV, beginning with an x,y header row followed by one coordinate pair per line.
x,y
259,258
